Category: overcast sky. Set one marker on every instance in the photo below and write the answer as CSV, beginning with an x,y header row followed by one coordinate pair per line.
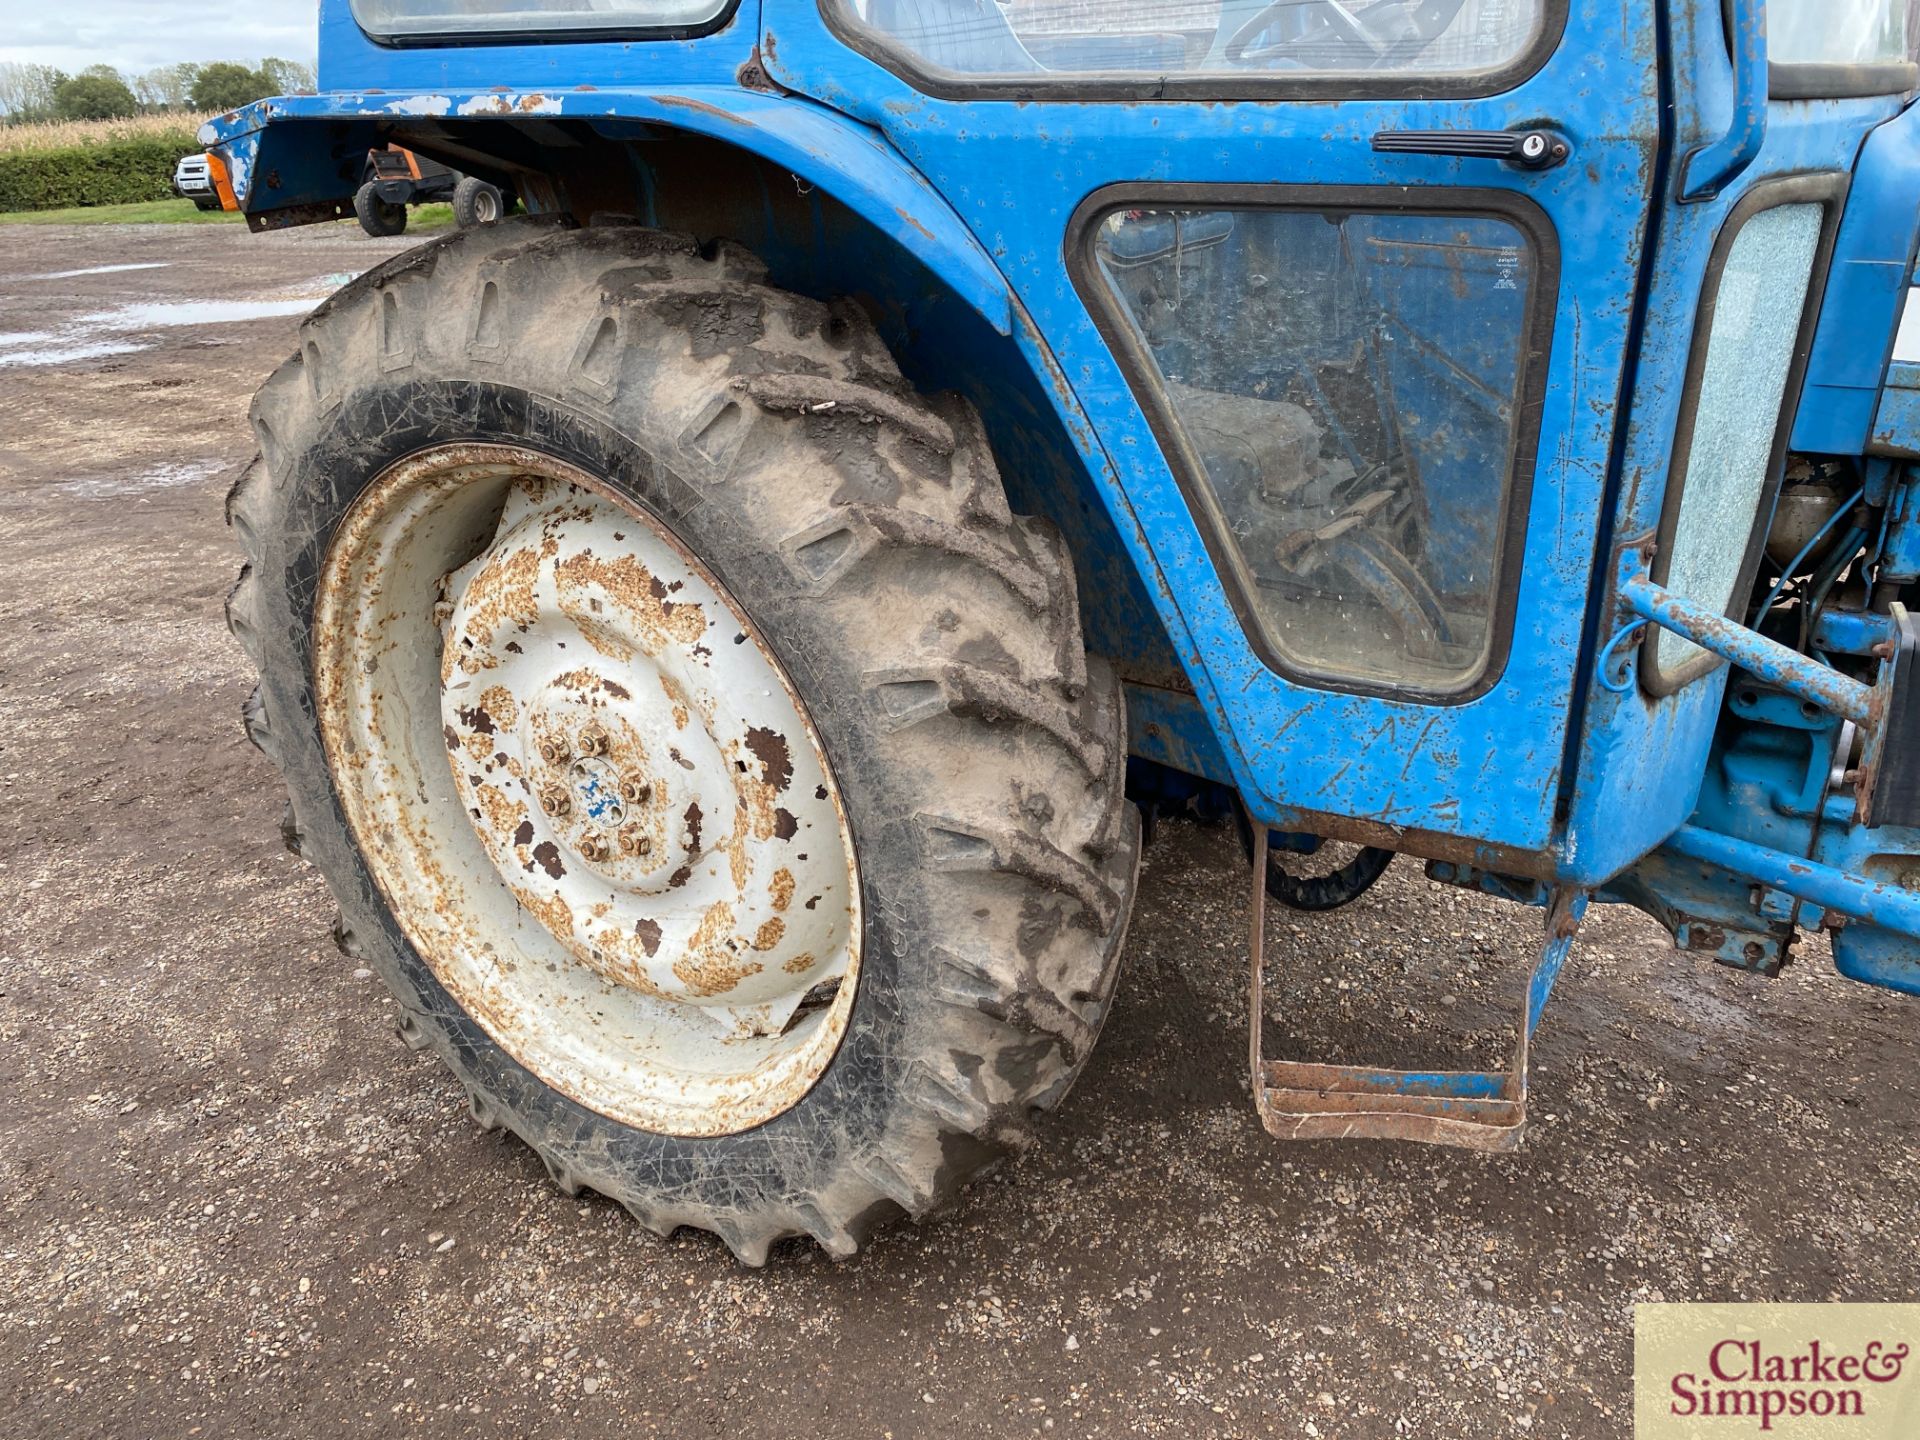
x,y
137,35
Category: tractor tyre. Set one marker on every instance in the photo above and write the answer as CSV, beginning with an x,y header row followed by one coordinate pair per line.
x,y
695,744
379,218
475,202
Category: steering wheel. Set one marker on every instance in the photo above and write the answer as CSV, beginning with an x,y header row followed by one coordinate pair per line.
x,y
1392,30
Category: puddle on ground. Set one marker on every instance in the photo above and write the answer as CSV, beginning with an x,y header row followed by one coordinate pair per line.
x,y
74,340
67,353
100,270
154,477
165,314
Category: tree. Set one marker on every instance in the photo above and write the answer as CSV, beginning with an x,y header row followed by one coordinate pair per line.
x,y
287,77
26,91
168,87
94,97
224,85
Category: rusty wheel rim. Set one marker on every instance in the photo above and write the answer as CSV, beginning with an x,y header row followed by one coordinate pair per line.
x,y
587,790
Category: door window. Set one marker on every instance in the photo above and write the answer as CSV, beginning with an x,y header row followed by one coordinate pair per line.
x,y
1277,38
1351,392
434,19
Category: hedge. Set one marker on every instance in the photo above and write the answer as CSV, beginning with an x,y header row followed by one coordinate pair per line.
x,y
120,172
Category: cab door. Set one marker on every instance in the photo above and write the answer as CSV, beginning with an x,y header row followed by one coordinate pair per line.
x,y
1344,289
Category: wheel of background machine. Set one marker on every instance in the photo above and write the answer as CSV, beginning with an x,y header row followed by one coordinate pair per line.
x,y
475,202
693,741
378,217
206,202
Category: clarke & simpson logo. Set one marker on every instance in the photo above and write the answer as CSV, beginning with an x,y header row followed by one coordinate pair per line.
x,y
1813,1371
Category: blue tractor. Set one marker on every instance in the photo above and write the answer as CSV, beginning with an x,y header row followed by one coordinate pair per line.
x,y
722,631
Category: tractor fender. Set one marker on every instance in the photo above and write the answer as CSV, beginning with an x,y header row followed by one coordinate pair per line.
x,y
953,322
281,153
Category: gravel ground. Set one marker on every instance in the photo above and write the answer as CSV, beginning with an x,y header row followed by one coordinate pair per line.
x,y
233,1204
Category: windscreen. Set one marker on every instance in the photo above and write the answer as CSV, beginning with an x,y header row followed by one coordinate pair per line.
x,y
409,19
1205,37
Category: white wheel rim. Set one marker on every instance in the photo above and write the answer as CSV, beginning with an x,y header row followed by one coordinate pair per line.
x,y
587,790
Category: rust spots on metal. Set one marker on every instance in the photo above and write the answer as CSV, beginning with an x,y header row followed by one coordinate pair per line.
x,y
776,763
699,107
503,813
504,593
557,941
639,593
739,863
913,220
710,967
1705,939
752,75
551,911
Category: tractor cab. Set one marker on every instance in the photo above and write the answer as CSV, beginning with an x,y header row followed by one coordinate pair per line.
x,y
1477,431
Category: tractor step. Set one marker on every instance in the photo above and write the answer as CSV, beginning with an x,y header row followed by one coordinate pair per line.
x,y
1471,1109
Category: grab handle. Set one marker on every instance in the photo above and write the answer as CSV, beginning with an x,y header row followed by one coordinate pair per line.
x,y
1709,169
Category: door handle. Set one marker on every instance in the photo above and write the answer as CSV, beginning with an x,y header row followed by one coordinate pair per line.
x,y
1528,149
1709,169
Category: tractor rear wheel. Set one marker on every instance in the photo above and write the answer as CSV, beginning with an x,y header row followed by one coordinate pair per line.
x,y
379,218
695,744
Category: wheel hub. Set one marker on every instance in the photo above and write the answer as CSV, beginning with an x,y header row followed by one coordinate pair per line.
x,y
595,681
631,865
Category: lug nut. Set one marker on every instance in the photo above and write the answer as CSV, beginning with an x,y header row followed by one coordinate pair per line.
x,y
636,792
555,800
595,849
593,741
635,841
554,752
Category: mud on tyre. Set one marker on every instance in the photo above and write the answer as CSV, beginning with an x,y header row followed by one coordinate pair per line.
x,y
620,396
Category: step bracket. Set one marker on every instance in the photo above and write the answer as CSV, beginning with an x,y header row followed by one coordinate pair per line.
x,y
1471,1109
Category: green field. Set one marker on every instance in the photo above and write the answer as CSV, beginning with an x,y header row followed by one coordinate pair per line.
x,y
425,220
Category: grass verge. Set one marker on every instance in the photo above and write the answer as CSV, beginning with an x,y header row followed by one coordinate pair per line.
x,y
425,219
